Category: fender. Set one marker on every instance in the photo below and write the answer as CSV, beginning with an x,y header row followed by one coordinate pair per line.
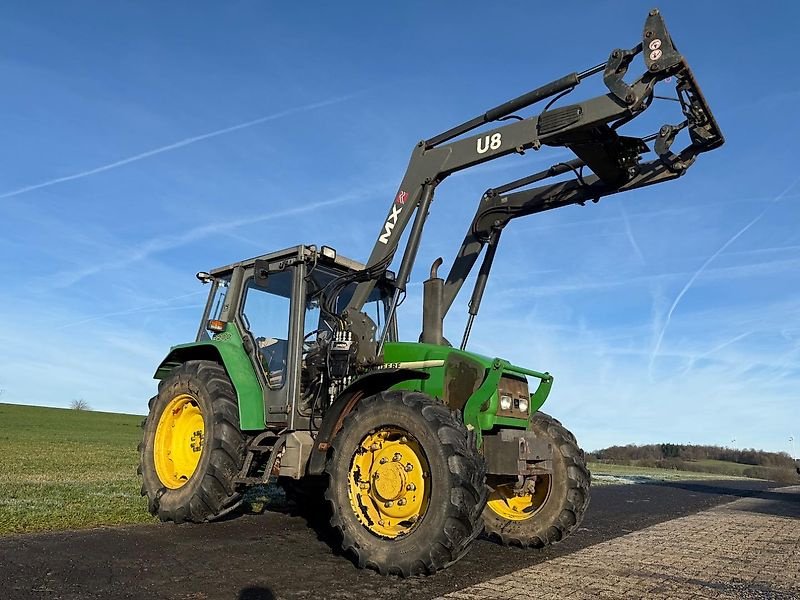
x,y
228,351
363,387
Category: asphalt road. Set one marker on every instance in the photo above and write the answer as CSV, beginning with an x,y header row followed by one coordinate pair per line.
x,y
277,555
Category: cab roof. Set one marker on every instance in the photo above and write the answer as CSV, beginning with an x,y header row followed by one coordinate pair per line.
x,y
303,253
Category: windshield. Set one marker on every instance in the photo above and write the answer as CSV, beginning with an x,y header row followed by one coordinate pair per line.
x,y
214,305
218,298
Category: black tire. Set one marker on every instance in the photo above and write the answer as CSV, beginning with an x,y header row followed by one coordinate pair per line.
x,y
564,507
452,519
210,491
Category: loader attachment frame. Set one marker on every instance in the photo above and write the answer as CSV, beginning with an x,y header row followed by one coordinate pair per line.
x,y
588,129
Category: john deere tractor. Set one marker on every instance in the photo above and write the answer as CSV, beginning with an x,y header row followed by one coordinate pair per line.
x,y
414,447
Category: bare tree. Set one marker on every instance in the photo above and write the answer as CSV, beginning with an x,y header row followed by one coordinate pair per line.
x,y
79,404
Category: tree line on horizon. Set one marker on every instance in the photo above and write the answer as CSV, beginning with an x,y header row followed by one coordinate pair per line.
x,y
776,466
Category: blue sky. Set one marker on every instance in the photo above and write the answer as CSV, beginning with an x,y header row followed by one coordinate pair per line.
x,y
146,141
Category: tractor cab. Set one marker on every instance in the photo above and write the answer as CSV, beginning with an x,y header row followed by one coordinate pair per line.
x,y
275,303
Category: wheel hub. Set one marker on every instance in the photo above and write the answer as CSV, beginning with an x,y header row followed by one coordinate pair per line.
x,y
179,441
508,504
389,477
389,481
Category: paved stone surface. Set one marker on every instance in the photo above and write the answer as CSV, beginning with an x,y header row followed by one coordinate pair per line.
x,y
749,548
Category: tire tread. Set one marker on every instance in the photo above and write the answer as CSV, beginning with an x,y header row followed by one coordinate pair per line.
x,y
216,490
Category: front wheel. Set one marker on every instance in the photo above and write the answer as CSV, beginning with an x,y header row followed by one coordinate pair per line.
x,y
192,448
553,506
406,484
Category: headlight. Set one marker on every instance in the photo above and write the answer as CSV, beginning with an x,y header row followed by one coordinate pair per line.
x,y
514,397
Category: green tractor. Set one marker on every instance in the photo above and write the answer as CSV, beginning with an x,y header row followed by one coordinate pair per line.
x,y
413,448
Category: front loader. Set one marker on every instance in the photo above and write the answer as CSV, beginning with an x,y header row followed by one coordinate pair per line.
x,y
415,447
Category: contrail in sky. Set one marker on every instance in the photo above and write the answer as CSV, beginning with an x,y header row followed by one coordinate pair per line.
x,y
174,146
702,268
715,349
155,245
629,233
152,307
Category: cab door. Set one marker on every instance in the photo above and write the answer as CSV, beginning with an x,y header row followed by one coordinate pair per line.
x,y
266,314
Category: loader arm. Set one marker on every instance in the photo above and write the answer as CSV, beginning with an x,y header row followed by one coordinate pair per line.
x,y
500,205
588,129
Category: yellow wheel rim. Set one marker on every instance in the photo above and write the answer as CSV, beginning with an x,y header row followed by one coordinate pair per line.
x,y
179,441
389,482
504,502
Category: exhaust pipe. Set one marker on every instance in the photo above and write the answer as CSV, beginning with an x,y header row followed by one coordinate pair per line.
x,y
432,307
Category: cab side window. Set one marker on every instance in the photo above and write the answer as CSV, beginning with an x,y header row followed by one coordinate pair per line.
x,y
265,311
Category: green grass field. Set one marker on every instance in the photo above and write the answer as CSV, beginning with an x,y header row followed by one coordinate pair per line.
x,y
608,474
694,469
63,469
723,466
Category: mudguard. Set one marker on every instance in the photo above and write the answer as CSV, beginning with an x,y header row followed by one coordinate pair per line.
x,y
226,348
363,387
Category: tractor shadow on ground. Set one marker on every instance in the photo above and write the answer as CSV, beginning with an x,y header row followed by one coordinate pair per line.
x,y
271,498
771,502
317,517
259,500
314,511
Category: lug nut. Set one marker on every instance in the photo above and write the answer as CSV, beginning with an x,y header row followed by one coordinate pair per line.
x,y
401,502
411,487
384,460
389,504
397,456
409,468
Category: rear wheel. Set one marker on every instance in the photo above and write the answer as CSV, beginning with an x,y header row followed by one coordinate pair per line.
x,y
192,448
406,486
549,509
